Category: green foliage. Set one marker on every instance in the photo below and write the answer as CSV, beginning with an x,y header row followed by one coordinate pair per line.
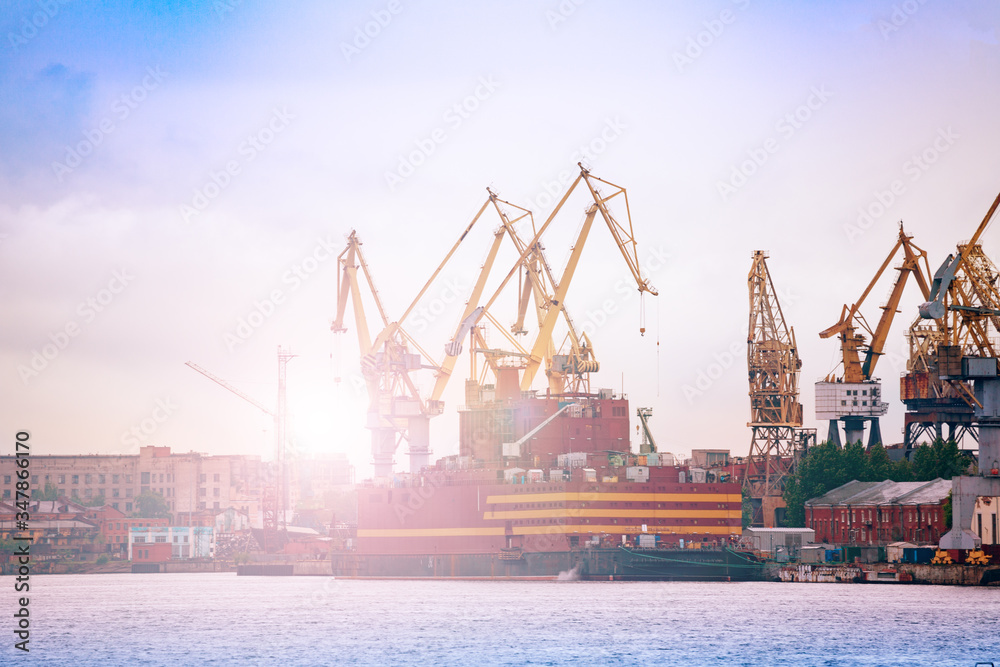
x,y
879,465
7,546
827,466
50,492
947,512
901,471
747,508
151,506
96,501
103,559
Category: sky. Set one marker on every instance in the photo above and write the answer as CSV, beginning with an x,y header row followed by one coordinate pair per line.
x,y
177,178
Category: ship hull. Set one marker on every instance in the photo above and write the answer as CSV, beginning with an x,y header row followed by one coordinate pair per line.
x,y
617,564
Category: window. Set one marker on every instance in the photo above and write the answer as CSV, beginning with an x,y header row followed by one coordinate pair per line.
x,y
202,491
128,494
216,477
145,478
114,493
115,505
161,478
101,479
6,479
215,506
88,479
864,392
201,506
118,526
62,479
76,479
161,538
201,478
34,479
215,492
6,493
128,506
139,539
843,402
114,479
128,479
88,493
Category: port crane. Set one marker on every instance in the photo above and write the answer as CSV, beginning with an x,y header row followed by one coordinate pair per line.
x,y
773,366
396,409
965,303
275,500
855,397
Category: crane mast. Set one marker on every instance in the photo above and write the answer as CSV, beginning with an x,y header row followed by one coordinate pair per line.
x,y
773,367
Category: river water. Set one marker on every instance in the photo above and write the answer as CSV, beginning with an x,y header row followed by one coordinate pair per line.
x,y
222,619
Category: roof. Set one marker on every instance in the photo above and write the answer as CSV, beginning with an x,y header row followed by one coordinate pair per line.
x,y
885,493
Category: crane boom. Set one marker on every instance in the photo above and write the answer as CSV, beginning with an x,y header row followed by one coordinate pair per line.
x,y
214,378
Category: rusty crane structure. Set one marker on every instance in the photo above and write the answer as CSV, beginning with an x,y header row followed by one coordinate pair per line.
x,y
773,367
962,353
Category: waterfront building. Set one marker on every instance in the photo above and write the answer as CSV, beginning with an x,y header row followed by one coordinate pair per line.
x,y
185,541
880,512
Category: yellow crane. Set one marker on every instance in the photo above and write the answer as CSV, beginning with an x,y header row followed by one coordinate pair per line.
x,y
855,397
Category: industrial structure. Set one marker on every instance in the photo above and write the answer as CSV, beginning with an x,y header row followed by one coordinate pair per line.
x,y
773,366
964,303
276,500
855,396
397,411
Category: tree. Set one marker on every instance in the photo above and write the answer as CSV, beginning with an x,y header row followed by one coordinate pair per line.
x,y
747,508
151,506
923,463
879,465
96,501
901,471
50,492
855,462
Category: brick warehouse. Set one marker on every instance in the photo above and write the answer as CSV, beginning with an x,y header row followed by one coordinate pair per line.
x,y
880,512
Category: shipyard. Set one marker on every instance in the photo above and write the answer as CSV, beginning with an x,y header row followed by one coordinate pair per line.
x,y
549,483
560,333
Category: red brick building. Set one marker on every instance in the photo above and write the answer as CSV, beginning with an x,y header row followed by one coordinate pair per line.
x,y
880,512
